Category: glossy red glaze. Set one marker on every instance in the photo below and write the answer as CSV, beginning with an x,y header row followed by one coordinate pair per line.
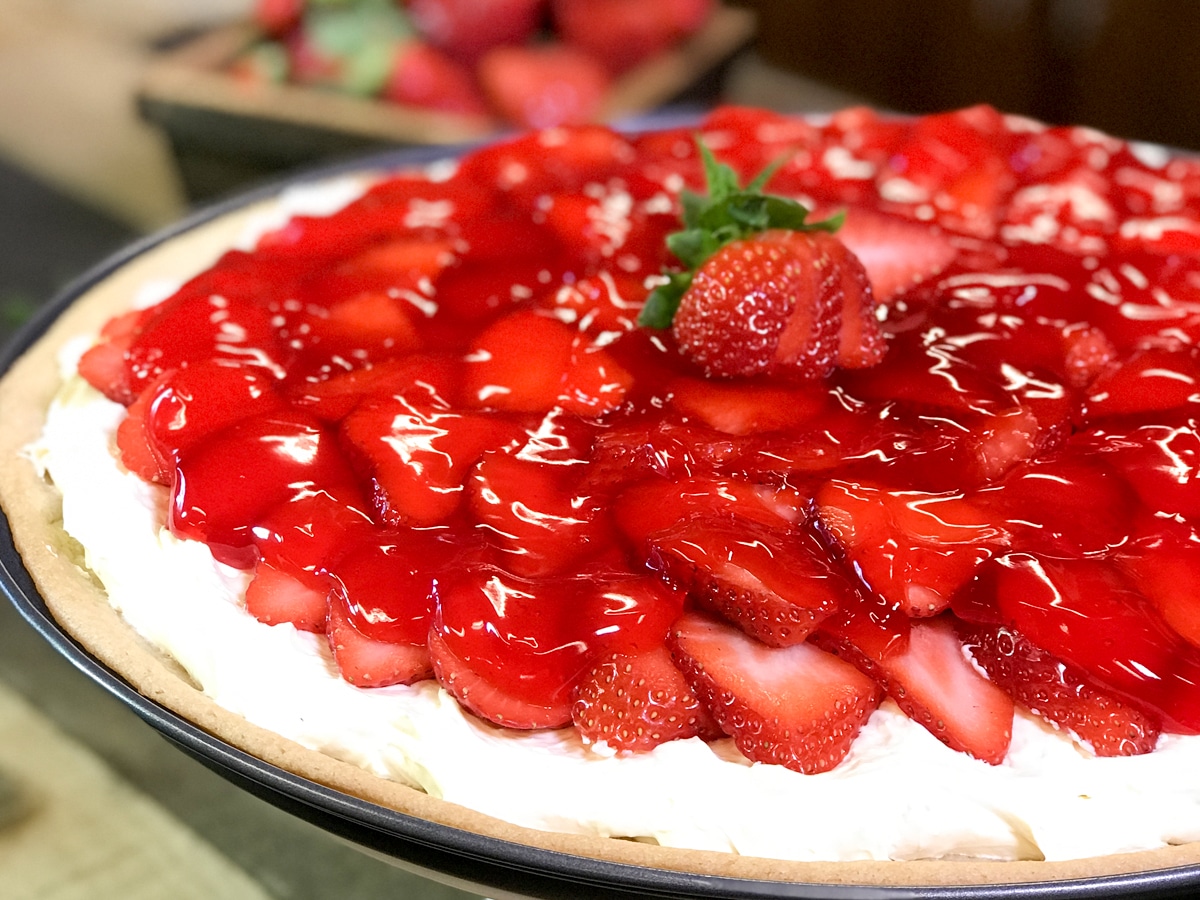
x,y
438,403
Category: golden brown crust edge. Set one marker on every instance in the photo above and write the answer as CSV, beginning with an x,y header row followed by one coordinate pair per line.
x,y
80,607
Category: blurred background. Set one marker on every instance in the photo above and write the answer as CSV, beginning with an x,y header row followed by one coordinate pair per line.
x,y
118,116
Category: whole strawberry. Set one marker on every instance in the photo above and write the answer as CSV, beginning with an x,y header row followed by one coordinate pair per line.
x,y
763,291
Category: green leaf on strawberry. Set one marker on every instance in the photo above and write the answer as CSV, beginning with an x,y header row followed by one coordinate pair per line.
x,y
727,213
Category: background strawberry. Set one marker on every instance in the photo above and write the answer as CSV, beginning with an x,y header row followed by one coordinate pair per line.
x,y
466,29
540,86
624,33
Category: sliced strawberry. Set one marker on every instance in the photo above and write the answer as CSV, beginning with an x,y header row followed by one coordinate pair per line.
x,y
776,586
1070,503
544,85
368,325
1072,210
608,301
197,326
369,662
1161,461
385,580
139,454
233,482
423,377
955,166
572,373
636,702
935,684
747,407
1150,380
1059,693
860,343
1165,571
657,504
765,305
921,665
104,364
275,596
895,253
204,397
913,549
594,383
797,706
419,453
536,513
1087,613
509,649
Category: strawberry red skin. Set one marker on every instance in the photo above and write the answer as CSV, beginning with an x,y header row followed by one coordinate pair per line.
x,y
624,33
417,454
1059,693
798,706
543,86
920,664
426,77
638,701
275,596
466,29
776,586
1088,613
369,662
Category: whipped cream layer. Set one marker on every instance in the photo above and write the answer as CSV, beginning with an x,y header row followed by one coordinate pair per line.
x,y
900,794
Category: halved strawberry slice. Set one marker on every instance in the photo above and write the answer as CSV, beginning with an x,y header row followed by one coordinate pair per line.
x,y
1088,614
190,403
797,706
921,665
935,684
1166,569
540,519
896,254
275,596
657,504
509,649
745,407
570,372
139,454
914,549
423,377
232,484
104,365
775,585
419,453
1150,380
1058,692
369,662
638,701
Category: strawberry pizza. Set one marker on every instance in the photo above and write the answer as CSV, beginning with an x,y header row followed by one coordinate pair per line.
x,y
652,485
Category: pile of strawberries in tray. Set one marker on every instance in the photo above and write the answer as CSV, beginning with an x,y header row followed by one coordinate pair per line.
x,y
533,63
610,430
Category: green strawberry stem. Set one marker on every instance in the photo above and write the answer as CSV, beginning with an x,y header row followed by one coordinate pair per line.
x,y
727,213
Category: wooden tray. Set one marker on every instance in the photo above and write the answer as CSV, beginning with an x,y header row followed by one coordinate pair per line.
x,y
226,133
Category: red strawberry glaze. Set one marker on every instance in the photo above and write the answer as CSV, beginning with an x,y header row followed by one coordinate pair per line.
x,y
432,416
